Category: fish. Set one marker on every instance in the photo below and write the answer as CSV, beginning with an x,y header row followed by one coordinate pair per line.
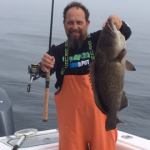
x,y
107,73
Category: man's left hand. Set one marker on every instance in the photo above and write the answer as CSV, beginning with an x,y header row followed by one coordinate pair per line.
x,y
116,20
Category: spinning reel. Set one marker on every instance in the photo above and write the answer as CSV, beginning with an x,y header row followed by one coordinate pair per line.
x,y
33,70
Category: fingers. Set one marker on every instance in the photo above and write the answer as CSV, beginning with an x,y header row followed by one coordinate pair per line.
x,y
103,25
47,62
116,20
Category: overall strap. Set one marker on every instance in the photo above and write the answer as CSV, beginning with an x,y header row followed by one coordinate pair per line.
x,y
90,47
66,58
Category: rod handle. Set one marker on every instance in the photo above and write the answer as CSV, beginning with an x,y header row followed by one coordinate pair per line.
x,y
45,113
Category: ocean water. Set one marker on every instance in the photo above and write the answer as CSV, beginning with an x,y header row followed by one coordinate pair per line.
x,y
24,38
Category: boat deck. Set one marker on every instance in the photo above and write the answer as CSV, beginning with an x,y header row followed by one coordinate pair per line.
x,y
48,140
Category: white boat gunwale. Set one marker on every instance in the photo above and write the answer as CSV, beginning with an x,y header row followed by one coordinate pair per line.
x,y
132,143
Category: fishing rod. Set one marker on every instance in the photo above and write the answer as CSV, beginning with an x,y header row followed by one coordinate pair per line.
x,y
45,113
34,70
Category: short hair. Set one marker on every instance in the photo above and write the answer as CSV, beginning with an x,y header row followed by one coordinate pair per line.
x,y
78,5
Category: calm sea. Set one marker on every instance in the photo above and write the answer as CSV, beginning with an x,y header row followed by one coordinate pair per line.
x,y
24,38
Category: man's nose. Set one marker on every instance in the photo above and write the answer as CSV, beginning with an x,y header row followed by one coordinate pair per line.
x,y
75,26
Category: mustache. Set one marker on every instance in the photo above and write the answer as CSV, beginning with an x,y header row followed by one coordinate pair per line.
x,y
75,31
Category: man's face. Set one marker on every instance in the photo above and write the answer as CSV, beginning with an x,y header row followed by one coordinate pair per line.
x,y
75,24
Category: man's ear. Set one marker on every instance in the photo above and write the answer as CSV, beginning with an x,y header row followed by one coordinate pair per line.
x,y
64,22
87,23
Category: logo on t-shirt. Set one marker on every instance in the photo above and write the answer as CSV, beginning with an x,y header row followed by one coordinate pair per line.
x,y
79,60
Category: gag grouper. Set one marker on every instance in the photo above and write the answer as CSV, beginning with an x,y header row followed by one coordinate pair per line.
x,y
107,74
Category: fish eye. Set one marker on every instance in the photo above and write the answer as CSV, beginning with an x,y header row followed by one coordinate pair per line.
x,y
103,37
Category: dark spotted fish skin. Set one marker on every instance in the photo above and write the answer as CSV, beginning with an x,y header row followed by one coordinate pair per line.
x,y
107,85
109,80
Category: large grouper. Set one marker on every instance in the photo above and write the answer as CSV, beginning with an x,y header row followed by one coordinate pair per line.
x,y
107,74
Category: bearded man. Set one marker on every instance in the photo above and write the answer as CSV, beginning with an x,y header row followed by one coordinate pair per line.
x,y
81,124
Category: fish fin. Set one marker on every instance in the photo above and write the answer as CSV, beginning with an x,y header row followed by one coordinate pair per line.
x,y
130,66
92,73
98,103
118,121
124,101
122,54
92,79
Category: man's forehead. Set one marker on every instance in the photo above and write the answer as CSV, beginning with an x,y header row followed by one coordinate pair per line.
x,y
75,12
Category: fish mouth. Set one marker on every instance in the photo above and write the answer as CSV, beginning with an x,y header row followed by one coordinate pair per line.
x,y
110,25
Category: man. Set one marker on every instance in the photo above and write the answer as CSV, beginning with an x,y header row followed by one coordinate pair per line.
x,y
81,124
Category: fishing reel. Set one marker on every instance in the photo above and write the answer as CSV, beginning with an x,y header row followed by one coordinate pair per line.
x,y
33,70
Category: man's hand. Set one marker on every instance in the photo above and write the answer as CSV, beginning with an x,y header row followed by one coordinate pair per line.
x,y
116,20
47,62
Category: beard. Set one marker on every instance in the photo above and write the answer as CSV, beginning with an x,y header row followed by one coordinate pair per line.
x,y
75,43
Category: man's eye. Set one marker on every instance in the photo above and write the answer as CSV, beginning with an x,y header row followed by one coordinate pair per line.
x,y
79,22
70,22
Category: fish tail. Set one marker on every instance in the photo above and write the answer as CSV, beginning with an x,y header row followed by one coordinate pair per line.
x,y
111,123
118,121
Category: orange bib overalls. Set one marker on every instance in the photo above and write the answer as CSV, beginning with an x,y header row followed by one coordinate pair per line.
x,y
79,120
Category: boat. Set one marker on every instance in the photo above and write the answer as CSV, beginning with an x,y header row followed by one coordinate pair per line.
x,y
49,139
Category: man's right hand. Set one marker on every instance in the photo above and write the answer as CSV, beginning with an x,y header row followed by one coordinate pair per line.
x,y
47,62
